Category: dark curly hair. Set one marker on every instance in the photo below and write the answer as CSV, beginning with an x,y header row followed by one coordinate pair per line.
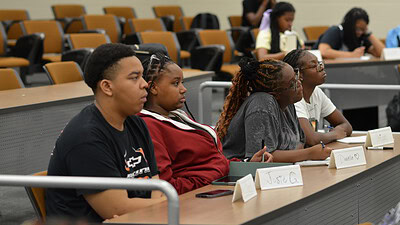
x,y
102,62
254,76
349,27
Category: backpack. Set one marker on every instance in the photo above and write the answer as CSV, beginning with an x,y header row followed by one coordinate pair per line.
x,y
205,21
393,113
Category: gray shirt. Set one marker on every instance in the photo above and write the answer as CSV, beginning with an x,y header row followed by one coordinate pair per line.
x,y
260,118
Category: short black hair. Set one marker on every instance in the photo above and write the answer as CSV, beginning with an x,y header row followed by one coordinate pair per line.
x,y
103,59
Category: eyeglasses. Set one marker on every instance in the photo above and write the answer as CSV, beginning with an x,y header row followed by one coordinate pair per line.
x,y
293,83
319,66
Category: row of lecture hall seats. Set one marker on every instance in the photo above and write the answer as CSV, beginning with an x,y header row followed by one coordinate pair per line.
x,y
120,24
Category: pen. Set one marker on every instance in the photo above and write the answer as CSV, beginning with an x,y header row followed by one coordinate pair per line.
x,y
379,148
327,128
262,146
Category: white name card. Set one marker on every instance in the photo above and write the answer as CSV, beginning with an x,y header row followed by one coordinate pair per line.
x,y
278,177
317,54
244,189
379,137
390,53
347,157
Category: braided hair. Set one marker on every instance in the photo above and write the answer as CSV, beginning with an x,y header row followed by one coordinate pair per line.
x,y
254,76
153,67
279,9
349,27
293,58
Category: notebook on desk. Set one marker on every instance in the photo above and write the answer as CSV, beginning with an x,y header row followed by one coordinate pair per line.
x,y
238,170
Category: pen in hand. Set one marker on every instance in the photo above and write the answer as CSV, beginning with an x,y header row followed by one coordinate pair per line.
x,y
262,146
327,128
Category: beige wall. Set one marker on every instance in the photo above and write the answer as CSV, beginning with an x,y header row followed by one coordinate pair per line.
x,y
384,14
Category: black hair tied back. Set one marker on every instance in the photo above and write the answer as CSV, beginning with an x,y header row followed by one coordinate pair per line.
x,y
249,67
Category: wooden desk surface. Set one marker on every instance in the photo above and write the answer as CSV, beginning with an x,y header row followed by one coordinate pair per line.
x,y
50,93
222,211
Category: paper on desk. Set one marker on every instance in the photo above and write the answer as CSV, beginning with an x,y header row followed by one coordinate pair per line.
x,y
353,140
314,162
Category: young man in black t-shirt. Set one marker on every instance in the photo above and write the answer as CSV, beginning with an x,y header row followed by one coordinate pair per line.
x,y
104,140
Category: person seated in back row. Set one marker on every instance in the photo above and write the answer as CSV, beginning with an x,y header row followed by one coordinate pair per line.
x,y
273,41
189,154
253,11
393,38
315,105
351,39
104,140
259,107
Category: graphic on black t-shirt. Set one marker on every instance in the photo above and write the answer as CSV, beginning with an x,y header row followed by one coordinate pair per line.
x,y
136,159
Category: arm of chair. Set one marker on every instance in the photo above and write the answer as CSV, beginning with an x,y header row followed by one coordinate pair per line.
x,y
207,58
241,37
29,47
66,22
99,31
8,23
131,39
168,22
79,56
144,51
188,39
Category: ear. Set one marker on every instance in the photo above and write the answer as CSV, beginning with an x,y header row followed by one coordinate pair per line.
x,y
153,88
106,87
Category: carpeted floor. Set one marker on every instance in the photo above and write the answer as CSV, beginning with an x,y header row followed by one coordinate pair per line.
x,y
15,207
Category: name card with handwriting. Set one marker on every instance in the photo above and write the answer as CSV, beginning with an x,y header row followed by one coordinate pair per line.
x,y
347,157
379,137
244,189
390,53
278,177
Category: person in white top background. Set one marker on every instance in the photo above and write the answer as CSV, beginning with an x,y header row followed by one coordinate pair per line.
x,y
272,41
315,105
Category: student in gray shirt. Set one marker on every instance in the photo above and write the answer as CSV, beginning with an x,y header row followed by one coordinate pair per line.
x,y
259,110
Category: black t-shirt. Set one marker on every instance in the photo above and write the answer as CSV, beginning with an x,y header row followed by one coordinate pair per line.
x,y
250,6
334,37
90,146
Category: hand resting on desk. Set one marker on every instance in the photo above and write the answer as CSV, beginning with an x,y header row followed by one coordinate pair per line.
x,y
258,157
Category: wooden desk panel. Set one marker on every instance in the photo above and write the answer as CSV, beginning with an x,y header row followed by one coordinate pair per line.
x,y
328,196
